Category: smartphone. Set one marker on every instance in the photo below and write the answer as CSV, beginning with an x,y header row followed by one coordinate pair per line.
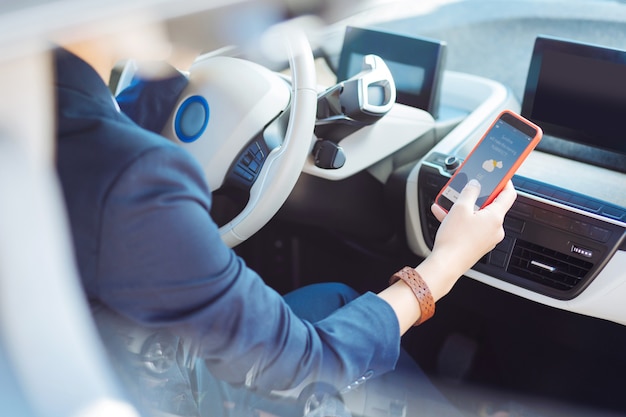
x,y
494,160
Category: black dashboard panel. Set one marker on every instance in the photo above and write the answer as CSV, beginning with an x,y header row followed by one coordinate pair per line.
x,y
556,241
576,92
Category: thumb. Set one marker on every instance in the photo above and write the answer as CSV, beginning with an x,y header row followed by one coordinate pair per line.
x,y
469,195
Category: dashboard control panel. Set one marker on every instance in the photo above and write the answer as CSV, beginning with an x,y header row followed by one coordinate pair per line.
x,y
556,242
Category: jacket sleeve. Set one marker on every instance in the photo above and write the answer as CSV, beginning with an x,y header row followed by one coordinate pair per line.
x,y
163,263
150,102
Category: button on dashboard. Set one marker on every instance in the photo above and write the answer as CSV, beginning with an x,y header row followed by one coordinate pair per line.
x,y
498,258
600,234
514,225
580,228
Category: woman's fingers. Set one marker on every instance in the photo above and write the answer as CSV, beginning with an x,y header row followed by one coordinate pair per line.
x,y
438,212
504,201
469,194
468,197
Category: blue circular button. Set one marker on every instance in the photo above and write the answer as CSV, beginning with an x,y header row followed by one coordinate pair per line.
x,y
191,119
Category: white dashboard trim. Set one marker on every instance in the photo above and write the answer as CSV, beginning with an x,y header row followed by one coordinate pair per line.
x,y
369,145
605,295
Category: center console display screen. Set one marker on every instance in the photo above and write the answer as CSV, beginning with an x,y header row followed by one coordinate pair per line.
x,y
577,92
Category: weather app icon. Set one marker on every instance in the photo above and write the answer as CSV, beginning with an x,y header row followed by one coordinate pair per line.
x,y
491,164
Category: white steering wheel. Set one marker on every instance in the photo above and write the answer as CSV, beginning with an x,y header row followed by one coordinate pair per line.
x,y
233,118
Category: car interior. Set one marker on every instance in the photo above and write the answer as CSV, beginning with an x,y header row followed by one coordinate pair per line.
x,y
327,172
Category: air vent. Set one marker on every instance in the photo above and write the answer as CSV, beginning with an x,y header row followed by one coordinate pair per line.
x,y
546,266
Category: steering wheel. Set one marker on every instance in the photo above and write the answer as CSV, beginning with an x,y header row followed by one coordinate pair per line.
x,y
250,128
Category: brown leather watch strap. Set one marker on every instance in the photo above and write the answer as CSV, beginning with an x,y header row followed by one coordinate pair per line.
x,y
420,289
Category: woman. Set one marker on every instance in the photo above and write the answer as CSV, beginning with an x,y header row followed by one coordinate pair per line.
x,y
151,259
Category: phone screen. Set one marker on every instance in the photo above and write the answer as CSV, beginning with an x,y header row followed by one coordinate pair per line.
x,y
493,161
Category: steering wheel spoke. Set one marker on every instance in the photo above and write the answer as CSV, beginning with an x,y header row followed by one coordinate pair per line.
x,y
259,134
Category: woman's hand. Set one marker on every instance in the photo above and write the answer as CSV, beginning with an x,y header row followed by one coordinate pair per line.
x,y
464,236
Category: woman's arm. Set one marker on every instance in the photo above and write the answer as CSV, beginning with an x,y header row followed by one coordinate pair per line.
x,y
463,238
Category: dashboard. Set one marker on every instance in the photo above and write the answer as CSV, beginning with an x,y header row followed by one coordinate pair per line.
x,y
565,236
563,258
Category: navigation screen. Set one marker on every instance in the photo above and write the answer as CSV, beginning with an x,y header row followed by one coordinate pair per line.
x,y
578,92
